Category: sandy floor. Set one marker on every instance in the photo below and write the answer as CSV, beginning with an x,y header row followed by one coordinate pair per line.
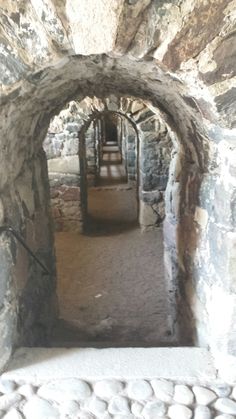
x,y
111,285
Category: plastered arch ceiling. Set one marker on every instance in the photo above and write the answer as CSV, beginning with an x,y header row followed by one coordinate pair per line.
x,y
47,59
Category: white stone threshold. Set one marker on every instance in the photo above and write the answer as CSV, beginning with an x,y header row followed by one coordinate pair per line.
x,y
177,364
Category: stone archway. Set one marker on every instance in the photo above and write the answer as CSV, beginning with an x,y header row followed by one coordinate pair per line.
x,y
162,91
152,136
178,57
194,154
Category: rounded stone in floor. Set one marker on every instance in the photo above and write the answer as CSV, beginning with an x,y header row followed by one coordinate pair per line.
x,y
85,415
163,389
225,405
224,417
13,414
183,395
66,389
105,389
178,411
137,409
7,386
139,390
124,417
26,390
9,400
119,405
203,395
202,412
154,410
69,408
234,393
37,408
97,406
222,390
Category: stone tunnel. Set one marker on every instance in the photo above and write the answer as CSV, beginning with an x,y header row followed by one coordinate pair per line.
x,y
117,209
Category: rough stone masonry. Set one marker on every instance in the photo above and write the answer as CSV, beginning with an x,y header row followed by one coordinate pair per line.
x,y
179,56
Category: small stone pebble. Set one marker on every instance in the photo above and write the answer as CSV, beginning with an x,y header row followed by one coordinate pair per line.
x,y
178,411
234,393
224,405
124,417
97,406
67,389
69,408
119,405
139,390
107,388
76,400
9,400
37,408
183,395
224,417
203,395
137,409
154,410
7,386
84,415
222,390
13,414
27,390
202,412
164,390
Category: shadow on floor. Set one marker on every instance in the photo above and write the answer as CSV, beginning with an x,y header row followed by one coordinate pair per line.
x,y
67,335
104,227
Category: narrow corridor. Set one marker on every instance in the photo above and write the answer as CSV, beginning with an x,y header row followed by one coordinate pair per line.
x,y
112,205
112,171
111,288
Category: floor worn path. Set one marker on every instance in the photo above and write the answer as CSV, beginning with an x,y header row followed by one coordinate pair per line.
x,y
111,284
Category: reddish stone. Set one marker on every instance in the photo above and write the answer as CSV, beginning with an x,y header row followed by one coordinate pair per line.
x,y
198,31
56,213
54,193
71,194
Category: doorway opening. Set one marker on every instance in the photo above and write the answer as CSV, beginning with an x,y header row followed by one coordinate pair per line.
x,y
112,204
111,285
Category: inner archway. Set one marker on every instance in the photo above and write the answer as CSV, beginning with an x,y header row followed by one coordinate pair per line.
x,y
93,308
111,164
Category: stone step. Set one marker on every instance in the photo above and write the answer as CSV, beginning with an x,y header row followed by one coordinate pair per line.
x,y
177,364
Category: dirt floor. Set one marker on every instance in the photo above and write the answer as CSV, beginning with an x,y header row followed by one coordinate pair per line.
x,y
111,287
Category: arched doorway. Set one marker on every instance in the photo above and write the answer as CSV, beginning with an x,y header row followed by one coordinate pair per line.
x,y
182,204
94,306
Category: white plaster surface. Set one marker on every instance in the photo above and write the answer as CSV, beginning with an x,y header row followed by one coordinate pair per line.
x,y
226,366
40,364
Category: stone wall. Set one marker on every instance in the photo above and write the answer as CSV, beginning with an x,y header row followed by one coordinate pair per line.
x,y
155,156
153,161
214,285
28,302
146,147
146,153
62,149
130,152
179,56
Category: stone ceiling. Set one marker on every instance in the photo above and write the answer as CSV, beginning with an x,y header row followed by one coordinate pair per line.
x,y
179,55
195,39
